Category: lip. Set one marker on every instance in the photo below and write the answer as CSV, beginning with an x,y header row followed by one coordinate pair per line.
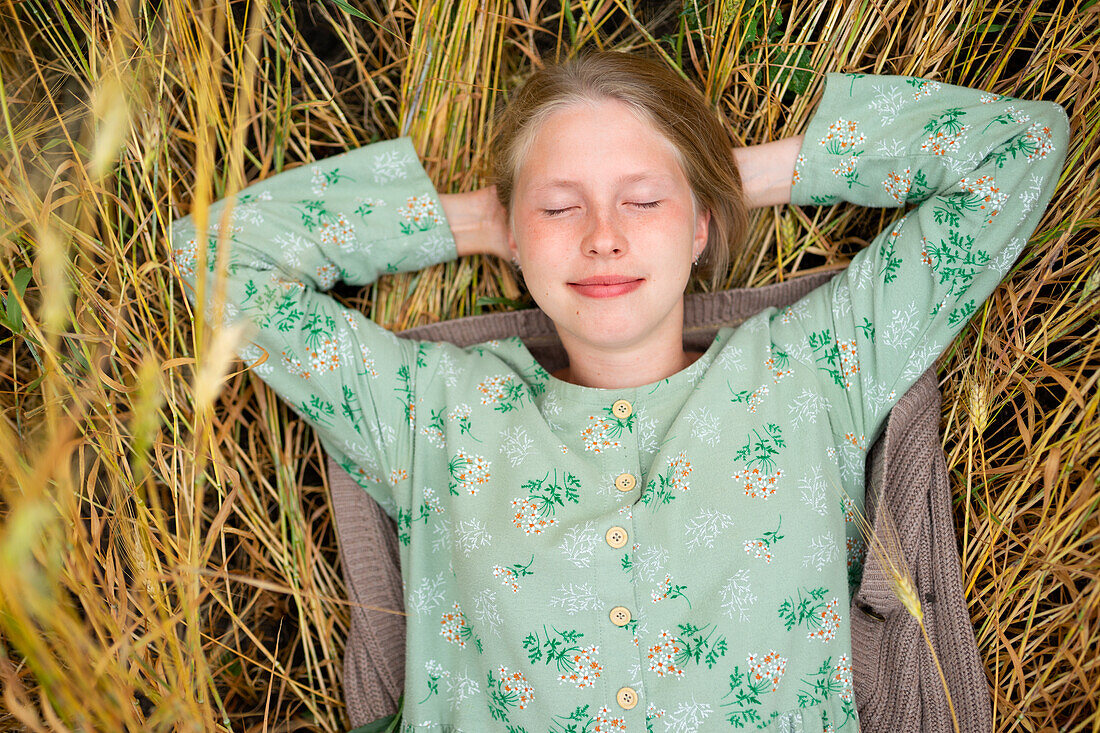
x,y
606,286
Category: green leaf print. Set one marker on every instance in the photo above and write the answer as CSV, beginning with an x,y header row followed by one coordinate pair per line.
x,y
961,314
616,426
893,262
274,305
581,721
506,691
435,674
406,518
317,410
806,610
700,645
839,357
746,699
920,189
408,394
761,452
956,263
312,213
669,484
557,648
868,329
351,408
829,681
946,122
761,547
667,589
511,574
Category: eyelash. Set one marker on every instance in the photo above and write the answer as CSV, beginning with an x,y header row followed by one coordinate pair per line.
x,y
641,205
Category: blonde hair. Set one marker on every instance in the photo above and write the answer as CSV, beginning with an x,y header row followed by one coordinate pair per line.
x,y
673,106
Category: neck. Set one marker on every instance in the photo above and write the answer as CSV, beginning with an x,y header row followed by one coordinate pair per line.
x,y
658,356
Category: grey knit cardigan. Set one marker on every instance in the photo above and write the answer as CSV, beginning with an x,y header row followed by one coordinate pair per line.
x,y
897,687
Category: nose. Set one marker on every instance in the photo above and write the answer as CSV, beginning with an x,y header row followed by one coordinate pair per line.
x,y
604,236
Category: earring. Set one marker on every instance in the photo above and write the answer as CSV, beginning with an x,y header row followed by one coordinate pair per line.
x,y
695,261
515,262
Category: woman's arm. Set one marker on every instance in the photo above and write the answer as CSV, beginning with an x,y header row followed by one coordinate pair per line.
x,y
766,171
289,238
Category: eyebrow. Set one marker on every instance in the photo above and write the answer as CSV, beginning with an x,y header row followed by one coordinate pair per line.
x,y
625,179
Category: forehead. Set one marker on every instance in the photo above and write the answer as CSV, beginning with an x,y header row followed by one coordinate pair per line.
x,y
605,140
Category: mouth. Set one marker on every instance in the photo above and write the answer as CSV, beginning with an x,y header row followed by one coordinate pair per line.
x,y
606,286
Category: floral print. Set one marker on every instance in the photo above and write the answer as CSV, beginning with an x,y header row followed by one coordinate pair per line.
x,y
503,482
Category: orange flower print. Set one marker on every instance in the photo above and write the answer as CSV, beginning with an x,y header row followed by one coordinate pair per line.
x,y
596,435
468,473
326,357
859,441
758,484
944,141
586,670
829,621
842,136
606,724
517,683
662,656
666,589
799,162
765,672
991,197
294,366
398,475
761,547
454,627
527,518
420,214
898,184
503,392
1041,141
326,276
849,363
842,675
338,232
849,508
924,87
510,575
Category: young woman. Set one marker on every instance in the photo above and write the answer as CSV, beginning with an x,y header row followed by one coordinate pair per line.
x,y
649,538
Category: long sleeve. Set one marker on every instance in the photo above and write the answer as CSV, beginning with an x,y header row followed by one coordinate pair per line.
x,y
350,217
982,168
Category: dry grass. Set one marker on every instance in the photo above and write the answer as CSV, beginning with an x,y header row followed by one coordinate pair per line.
x,y
167,559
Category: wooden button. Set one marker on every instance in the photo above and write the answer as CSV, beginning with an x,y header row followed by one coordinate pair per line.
x,y
627,698
622,409
616,537
620,615
625,482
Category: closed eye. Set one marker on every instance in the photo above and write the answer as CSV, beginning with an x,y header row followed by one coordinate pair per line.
x,y
555,212
646,204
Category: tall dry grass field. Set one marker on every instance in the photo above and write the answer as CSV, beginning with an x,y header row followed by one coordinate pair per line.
x,y
167,552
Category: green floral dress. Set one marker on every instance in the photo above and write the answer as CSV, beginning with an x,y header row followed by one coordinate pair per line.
x,y
671,557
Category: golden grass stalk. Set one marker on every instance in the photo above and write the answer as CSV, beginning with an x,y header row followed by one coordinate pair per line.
x,y
164,566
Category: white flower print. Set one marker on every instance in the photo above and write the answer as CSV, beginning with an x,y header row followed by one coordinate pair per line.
x,y
389,166
339,232
890,148
649,564
923,355
823,550
887,102
879,395
448,369
434,248
462,687
471,535
902,328
732,359
248,211
516,445
574,599
993,199
250,354
419,214
580,544
793,313
1029,196
842,300
737,596
646,431
441,537
705,426
427,595
806,407
704,529
829,623
486,610
813,490
688,717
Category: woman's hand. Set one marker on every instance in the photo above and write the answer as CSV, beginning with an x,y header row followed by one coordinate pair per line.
x,y
478,222
766,171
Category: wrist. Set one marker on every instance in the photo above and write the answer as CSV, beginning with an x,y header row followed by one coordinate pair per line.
x,y
475,219
766,171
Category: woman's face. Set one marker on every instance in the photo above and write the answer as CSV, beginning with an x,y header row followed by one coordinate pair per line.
x,y
604,228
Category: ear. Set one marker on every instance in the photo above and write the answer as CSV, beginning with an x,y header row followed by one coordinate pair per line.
x,y
702,231
513,249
